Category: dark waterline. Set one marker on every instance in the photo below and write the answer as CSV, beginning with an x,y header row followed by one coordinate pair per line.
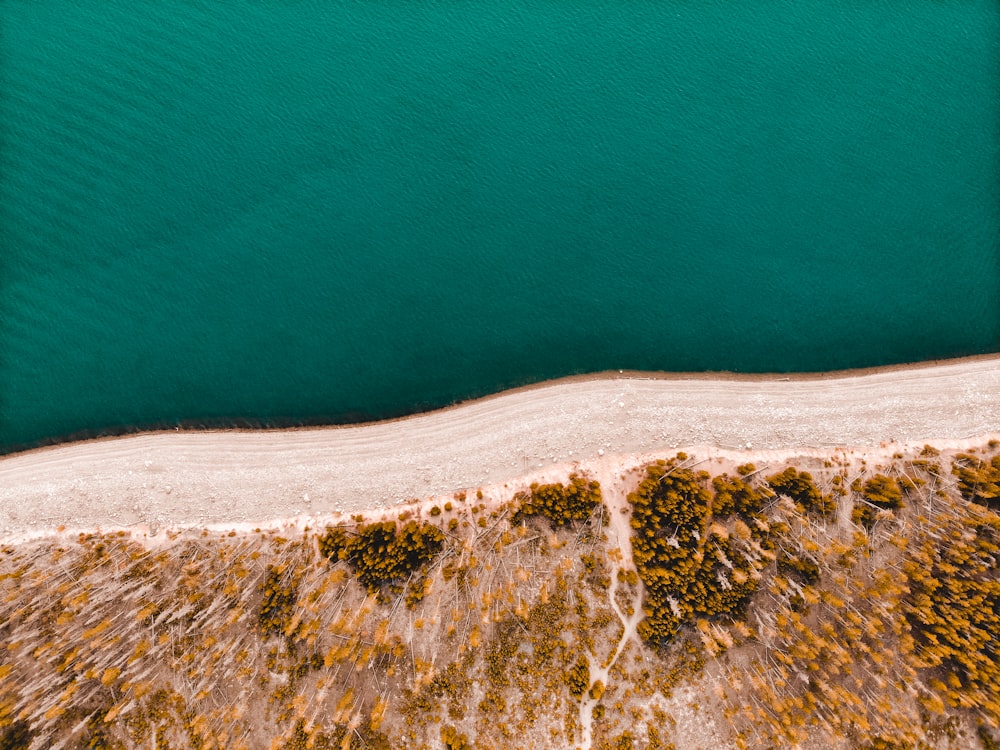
x,y
340,211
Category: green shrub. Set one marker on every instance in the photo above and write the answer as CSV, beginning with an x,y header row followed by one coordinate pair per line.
x,y
624,741
338,736
669,516
705,595
880,494
987,738
597,691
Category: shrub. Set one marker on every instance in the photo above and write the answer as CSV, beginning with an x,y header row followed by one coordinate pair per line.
x,y
735,495
978,480
562,503
578,677
383,555
15,736
880,494
867,516
800,488
953,608
453,740
597,691
624,741
278,602
802,568
691,567
883,491
339,735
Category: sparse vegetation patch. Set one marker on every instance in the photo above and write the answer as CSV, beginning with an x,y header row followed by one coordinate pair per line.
x,y
768,609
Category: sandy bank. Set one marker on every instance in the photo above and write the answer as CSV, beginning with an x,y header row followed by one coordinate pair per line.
x,y
220,477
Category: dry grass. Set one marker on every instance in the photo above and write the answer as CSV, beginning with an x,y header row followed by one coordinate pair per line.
x,y
523,634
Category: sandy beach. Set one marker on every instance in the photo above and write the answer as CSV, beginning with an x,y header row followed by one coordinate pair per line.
x,y
218,478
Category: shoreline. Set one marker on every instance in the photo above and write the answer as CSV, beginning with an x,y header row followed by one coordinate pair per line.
x,y
721,376
208,478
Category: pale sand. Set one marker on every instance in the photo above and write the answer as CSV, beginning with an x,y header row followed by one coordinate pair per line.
x,y
240,479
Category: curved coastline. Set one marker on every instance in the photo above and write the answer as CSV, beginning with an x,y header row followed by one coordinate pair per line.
x,y
212,477
251,424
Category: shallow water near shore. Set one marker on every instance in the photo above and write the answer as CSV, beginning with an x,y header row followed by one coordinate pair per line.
x,y
343,210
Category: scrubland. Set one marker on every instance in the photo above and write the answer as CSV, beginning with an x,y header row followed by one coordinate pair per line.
x,y
682,603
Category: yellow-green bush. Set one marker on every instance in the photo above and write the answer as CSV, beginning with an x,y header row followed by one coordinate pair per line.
x,y
800,567
883,491
953,608
669,516
736,495
277,602
578,677
315,739
799,486
383,555
597,691
453,740
16,736
561,503
689,569
978,479
879,496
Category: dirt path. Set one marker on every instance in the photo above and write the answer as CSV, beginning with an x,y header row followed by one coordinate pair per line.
x,y
177,478
613,489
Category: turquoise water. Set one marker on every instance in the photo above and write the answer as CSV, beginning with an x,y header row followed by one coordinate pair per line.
x,y
330,210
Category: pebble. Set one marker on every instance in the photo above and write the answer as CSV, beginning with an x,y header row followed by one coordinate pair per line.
x,y
600,451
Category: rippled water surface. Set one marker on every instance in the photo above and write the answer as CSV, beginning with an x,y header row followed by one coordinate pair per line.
x,y
334,210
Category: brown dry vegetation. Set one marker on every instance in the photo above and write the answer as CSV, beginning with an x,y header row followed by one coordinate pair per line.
x,y
847,605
